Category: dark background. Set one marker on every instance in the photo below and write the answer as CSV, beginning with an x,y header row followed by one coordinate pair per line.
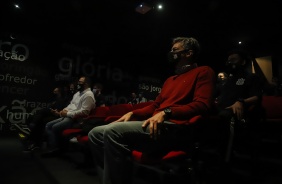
x,y
121,35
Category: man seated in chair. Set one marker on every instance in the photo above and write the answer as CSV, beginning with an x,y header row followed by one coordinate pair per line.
x,y
238,100
82,103
164,124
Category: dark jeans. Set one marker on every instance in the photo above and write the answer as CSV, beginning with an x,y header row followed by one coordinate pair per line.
x,y
37,125
54,131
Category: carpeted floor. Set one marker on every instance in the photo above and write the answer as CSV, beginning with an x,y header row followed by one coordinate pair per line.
x,y
17,166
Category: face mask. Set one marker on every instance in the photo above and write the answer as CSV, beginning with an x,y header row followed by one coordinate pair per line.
x,y
233,67
71,90
79,87
174,57
221,81
55,95
94,91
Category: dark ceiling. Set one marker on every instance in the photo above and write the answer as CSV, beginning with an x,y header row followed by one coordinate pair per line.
x,y
113,26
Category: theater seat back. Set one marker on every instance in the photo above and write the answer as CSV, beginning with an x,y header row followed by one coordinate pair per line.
x,y
272,106
120,109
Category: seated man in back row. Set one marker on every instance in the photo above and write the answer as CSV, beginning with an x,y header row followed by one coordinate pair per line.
x,y
82,103
42,117
165,123
237,100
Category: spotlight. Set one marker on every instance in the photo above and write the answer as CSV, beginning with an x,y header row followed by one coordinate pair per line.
x,y
143,8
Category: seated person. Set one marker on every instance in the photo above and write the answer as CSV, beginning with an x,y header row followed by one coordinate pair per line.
x,y
99,97
82,104
87,125
239,98
164,124
70,90
141,98
41,117
133,98
221,80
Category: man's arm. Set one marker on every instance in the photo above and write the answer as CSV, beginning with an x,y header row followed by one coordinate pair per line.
x,y
87,104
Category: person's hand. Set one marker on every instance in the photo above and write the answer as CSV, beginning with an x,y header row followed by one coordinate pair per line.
x,y
55,112
238,109
155,124
63,113
125,117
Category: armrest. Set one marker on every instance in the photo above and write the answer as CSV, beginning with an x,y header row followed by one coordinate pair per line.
x,y
195,119
95,117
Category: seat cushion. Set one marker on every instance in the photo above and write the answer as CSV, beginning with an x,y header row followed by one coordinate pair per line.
x,y
143,158
71,131
82,139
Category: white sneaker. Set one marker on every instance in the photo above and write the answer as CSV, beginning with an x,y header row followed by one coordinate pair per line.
x,y
74,140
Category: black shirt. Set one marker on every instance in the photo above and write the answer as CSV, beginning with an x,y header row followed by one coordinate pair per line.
x,y
100,100
242,85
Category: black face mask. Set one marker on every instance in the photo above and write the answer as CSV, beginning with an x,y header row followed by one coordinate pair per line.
x,y
174,57
79,87
72,91
221,81
233,67
55,95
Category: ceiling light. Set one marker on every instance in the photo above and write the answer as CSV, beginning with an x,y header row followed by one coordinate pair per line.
x,y
143,8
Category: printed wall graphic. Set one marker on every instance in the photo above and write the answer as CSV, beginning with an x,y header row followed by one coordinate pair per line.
x,y
23,79
31,68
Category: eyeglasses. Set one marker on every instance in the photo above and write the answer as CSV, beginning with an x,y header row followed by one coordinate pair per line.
x,y
175,50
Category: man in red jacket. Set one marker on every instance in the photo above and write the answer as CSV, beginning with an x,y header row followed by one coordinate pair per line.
x,y
164,124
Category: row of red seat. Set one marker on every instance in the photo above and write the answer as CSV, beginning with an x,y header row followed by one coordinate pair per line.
x,y
106,114
114,112
272,115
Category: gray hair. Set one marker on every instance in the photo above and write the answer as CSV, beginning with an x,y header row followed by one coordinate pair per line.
x,y
189,43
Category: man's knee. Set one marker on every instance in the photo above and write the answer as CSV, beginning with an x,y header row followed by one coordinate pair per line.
x,y
96,133
91,134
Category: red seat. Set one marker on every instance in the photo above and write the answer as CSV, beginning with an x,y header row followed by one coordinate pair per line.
x,y
71,131
175,162
141,105
272,107
115,112
136,155
82,139
97,113
272,120
139,156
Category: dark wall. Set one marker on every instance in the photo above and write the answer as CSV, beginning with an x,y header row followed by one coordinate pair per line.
x,y
31,67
